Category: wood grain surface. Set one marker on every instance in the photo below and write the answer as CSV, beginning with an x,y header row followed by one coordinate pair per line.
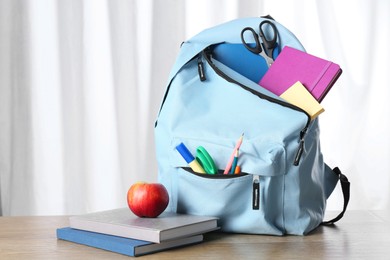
x,y
359,235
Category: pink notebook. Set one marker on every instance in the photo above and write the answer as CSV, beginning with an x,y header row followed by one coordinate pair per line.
x,y
292,65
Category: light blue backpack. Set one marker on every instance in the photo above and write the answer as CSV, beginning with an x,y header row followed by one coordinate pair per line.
x,y
284,183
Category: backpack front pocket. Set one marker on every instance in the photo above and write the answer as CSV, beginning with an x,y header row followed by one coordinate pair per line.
x,y
250,202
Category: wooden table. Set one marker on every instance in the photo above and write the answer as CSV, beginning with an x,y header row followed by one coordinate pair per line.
x,y
360,235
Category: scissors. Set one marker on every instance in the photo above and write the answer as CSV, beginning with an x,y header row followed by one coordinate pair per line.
x,y
267,47
205,160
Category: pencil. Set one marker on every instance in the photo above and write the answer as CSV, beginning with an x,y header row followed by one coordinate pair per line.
x,y
234,165
230,162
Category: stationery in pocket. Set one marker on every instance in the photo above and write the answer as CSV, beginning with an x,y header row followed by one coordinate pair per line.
x,y
298,95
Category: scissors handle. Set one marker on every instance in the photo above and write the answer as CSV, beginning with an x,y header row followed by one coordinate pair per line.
x,y
269,44
257,49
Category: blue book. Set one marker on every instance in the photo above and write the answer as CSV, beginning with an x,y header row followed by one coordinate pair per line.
x,y
121,245
238,58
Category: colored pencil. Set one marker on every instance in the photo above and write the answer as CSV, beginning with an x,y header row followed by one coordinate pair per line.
x,y
230,162
234,165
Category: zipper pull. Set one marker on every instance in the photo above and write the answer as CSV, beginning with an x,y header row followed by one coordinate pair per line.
x,y
299,152
256,192
301,147
202,76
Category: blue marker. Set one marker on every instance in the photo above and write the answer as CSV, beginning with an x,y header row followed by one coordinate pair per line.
x,y
189,158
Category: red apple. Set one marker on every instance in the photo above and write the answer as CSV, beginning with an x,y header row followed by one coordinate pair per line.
x,y
147,199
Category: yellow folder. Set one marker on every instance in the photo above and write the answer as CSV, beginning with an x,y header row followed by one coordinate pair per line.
x,y
298,95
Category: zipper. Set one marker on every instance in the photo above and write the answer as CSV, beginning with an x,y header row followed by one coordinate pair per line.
x,y
207,54
301,146
256,192
219,174
202,76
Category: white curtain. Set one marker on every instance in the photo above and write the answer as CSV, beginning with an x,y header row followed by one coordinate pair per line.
x,y
81,83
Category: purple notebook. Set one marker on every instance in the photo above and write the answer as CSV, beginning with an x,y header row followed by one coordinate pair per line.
x,y
292,65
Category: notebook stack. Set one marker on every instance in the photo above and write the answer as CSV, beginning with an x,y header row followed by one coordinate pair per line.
x,y
301,79
120,231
